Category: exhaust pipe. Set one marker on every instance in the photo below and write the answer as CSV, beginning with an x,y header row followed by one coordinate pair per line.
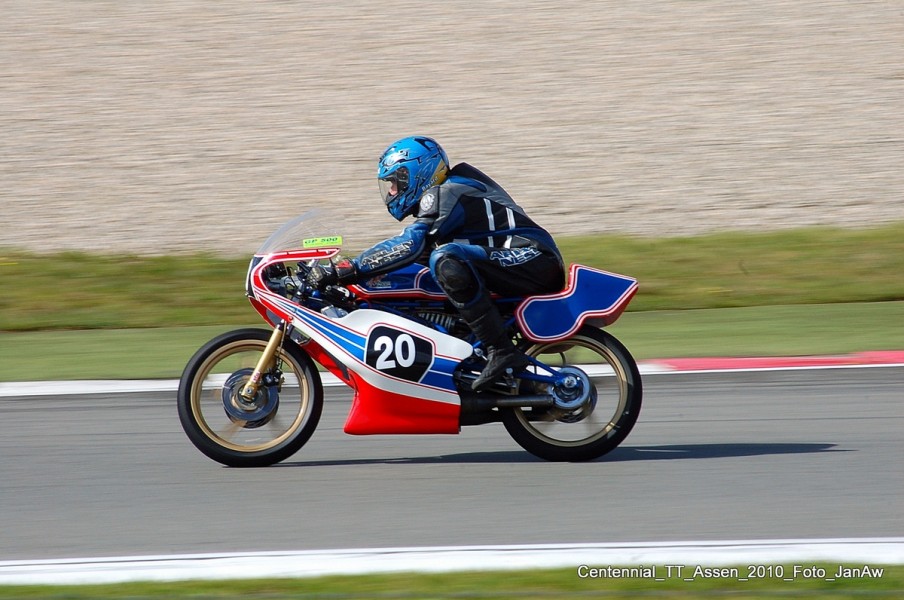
x,y
476,403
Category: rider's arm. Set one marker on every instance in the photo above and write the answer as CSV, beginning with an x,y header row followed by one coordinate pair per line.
x,y
388,255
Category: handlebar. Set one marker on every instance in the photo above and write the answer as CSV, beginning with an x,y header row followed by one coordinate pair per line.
x,y
296,287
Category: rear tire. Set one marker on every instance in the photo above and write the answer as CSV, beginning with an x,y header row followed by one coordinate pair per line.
x,y
598,426
278,423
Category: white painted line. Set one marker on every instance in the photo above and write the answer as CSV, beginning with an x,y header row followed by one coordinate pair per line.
x,y
14,389
59,388
315,563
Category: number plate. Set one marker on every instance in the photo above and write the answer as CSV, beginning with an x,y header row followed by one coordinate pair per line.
x,y
399,353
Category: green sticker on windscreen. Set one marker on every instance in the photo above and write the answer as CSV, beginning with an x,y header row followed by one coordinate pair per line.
x,y
322,242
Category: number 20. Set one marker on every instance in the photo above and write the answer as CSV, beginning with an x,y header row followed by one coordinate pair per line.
x,y
403,350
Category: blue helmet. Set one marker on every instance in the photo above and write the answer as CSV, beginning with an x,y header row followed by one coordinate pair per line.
x,y
407,169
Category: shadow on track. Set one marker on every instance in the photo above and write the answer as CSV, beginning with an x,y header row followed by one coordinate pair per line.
x,y
508,456
695,451
669,452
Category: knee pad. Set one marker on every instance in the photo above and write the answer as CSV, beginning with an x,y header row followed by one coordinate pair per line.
x,y
456,277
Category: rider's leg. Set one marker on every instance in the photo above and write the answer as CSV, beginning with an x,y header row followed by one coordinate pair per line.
x,y
466,292
485,321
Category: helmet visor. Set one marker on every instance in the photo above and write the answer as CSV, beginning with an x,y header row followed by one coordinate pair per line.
x,y
394,184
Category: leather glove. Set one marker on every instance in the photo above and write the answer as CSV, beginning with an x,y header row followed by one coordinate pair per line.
x,y
344,273
319,277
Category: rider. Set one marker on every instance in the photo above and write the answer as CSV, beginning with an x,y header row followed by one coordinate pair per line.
x,y
479,241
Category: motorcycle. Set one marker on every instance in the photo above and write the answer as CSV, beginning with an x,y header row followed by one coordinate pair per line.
x,y
253,397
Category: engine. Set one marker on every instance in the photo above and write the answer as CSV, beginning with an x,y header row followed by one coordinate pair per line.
x,y
452,324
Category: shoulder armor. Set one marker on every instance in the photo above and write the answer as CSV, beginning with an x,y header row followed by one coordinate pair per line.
x,y
429,203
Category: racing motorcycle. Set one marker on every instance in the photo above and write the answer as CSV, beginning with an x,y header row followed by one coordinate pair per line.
x,y
253,397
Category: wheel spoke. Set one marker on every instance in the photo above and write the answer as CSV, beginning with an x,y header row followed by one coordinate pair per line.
x,y
232,429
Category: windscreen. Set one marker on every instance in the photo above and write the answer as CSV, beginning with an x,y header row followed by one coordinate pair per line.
x,y
311,229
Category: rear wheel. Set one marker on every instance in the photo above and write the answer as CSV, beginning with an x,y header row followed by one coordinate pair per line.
x,y
595,414
243,432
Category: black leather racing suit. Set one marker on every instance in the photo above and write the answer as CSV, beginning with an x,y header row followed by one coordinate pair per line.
x,y
479,241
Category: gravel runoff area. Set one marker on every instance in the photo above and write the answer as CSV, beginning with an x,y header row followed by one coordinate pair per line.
x,y
183,125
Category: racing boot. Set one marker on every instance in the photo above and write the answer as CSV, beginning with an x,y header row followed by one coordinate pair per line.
x,y
485,321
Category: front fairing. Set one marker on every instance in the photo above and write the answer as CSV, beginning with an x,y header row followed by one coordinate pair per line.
x,y
298,239
303,240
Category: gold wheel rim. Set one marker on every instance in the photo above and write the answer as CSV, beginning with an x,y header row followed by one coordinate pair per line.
x,y
197,393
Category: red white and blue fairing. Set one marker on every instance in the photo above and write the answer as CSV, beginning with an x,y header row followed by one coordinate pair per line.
x,y
402,370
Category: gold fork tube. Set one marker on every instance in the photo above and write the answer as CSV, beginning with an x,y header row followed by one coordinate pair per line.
x,y
254,383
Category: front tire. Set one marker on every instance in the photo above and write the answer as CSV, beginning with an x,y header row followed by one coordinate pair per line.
x,y
603,422
238,433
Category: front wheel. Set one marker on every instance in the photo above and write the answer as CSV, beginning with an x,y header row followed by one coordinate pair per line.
x,y
602,421
249,432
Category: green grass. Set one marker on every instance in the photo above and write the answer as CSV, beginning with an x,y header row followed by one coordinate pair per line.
x,y
749,331
797,292
804,266
521,585
82,291
800,266
159,353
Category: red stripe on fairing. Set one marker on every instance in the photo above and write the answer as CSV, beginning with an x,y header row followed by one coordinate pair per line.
x,y
257,280
417,293
265,299
376,411
327,361
367,294
300,255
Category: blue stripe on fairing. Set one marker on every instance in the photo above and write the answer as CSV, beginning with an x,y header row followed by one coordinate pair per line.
x,y
347,339
440,374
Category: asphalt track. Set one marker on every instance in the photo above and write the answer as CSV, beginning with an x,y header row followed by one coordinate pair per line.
x,y
806,454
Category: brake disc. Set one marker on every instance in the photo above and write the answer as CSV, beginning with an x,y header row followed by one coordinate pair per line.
x,y
255,412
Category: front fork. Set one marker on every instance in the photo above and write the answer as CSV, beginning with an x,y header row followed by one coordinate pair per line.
x,y
249,392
